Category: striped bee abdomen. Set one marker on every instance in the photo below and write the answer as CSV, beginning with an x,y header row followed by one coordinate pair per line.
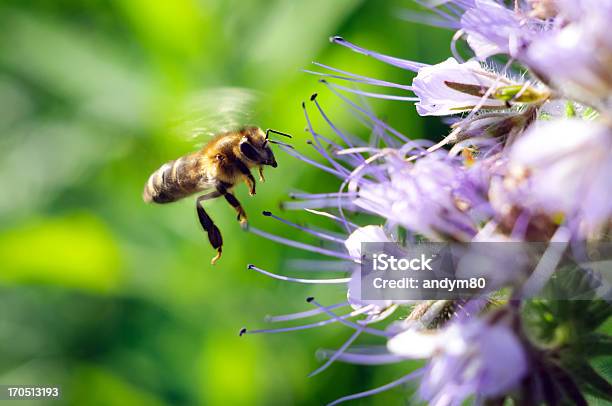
x,y
173,181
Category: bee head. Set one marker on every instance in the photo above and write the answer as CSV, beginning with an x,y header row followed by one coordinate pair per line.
x,y
255,146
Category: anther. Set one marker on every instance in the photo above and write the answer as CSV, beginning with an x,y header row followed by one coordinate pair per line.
x,y
266,213
242,332
313,96
309,299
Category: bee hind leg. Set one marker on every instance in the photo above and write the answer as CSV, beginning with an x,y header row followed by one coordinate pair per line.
x,y
242,217
214,234
231,199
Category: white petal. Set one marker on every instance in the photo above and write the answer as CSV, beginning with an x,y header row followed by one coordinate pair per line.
x,y
364,234
436,98
569,163
414,344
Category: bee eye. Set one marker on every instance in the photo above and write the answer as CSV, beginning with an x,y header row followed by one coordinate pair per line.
x,y
248,151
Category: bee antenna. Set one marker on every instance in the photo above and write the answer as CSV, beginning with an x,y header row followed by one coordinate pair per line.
x,y
269,130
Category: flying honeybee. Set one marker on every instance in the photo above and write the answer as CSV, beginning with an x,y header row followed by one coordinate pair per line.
x,y
215,170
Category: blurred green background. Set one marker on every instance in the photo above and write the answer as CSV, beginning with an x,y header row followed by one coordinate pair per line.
x,y
115,300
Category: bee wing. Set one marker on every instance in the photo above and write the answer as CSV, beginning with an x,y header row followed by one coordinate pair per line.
x,y
215,111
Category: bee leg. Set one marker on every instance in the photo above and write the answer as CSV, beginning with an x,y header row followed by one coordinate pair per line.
x,y
250,181
214,235
261,177
242,217
231,199
248,176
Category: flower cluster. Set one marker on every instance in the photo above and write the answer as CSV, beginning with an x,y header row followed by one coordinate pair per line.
x,y
527,158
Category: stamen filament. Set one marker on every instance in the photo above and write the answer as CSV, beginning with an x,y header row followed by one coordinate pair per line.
x,y
305,229
301,315
299,280
336,354
393,384
352,325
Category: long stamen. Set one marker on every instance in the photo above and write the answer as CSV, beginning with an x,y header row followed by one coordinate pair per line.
x,y
315,201
320,149
377,82
438,11
321,323
374,95
380,137
401,63
305,229
287,329
369,115
299,280
302,315
347,138
364,359
352,325
299,245
319,136
358,150
319,195
427,19
453,8
352,77
390,385
301,157
331,216
337,354
316,204
331,125
315,265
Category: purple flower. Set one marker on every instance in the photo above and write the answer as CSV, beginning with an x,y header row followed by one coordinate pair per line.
x,y
563,168
443,89
450,88
467,358
492,29
521,170
577,58
423,196
489,27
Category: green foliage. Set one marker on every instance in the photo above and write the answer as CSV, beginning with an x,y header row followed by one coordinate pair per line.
x,y
573,331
